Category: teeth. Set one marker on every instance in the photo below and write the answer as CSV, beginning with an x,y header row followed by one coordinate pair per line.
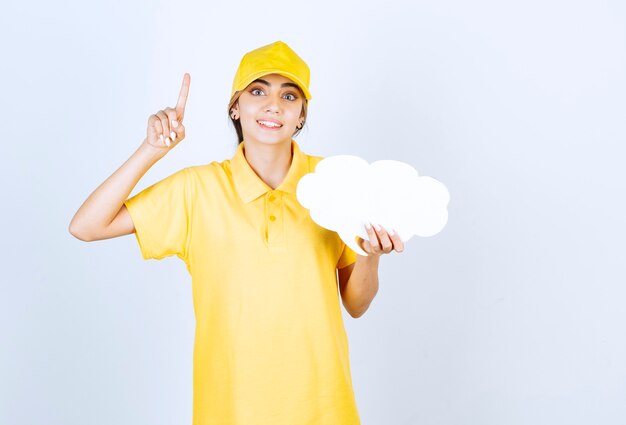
x,y
269,124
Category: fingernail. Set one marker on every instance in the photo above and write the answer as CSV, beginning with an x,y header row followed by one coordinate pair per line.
x,y
168,141
175,123
173,135
367,226
391,232
377,227
161,137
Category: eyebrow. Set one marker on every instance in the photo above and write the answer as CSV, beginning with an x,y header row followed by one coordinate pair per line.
x,y
260,80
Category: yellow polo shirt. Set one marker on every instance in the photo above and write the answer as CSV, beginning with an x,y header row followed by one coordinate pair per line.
x,y
270,343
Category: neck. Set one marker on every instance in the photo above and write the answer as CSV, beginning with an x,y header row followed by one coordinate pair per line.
x,y
270,162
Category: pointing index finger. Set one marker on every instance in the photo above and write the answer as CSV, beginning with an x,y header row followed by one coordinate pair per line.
x,y
182,97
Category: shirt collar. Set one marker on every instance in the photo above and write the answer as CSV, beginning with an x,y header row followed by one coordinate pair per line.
x,y
250,186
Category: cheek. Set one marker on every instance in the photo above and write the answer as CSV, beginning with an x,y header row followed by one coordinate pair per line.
x,y
294,114
248,116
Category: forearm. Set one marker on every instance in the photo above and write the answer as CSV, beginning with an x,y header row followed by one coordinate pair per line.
x,y
362,285
101,207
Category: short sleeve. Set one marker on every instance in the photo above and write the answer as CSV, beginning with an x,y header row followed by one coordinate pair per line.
x,y
160,214
348,256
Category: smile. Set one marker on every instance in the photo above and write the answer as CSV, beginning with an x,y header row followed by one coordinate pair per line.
x,y
269,125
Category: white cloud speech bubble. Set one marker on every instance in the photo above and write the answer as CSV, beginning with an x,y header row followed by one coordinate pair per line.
x,y
345,192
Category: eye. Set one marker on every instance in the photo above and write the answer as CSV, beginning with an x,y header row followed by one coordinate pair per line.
x,y
293,96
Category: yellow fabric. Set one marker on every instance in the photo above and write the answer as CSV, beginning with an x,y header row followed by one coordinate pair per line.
x,y
276,57
270,343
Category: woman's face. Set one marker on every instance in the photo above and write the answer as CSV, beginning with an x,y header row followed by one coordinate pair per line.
x,y
272,98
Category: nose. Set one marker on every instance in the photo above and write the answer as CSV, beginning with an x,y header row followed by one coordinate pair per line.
x,y
273,104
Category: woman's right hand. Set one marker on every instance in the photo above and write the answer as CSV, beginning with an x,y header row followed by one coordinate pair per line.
x,y
165,128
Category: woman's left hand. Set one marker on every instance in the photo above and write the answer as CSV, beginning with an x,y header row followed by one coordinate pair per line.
x,y
380,241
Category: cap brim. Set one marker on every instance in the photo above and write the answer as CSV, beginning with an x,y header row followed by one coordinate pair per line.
x,y
261,73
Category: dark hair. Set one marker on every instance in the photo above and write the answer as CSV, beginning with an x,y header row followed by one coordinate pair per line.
x,y
237,122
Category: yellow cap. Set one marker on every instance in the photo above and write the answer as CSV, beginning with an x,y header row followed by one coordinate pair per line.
x,y
277,58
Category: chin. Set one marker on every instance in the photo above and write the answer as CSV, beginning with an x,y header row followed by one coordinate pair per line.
x,y
268,140
269,137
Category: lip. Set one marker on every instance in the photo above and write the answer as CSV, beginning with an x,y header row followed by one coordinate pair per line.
x,y
270,128
270,120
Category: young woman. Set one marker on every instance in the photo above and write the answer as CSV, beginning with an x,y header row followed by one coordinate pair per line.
x,y
270,344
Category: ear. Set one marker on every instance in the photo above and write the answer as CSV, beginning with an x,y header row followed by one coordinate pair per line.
x,y
234,112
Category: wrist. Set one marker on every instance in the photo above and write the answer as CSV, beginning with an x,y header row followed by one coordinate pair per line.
x,y
370,259
151,153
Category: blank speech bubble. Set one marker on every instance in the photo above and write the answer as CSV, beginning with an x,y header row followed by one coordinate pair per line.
x,y
345,192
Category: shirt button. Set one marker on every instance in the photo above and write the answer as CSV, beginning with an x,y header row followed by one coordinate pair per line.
x,y
272,218
272,198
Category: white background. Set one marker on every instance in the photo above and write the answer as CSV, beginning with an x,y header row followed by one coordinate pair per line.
x,y
513,314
